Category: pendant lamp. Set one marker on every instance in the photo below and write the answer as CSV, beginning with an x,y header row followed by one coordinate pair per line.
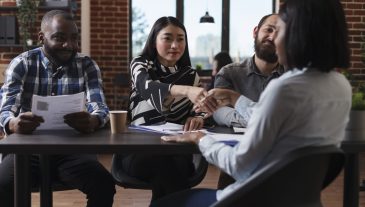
x,y
206,18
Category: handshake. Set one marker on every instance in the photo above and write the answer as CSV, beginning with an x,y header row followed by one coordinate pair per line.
x,y
209,101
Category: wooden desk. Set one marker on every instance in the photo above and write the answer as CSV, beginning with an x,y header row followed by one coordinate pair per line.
x,y
351,172
46,143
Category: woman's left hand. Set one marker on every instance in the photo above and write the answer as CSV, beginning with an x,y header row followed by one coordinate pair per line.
x,y
190,137
193,123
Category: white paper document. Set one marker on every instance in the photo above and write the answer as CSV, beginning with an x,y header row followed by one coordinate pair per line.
x,y
167,128
53,108
239,129
171,128
226,137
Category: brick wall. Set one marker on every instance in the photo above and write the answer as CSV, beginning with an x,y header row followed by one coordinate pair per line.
x,y
109,42
355,15
9,52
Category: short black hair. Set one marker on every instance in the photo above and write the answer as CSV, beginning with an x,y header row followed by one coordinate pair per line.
x,y
47,18
222,58
316,34
149,49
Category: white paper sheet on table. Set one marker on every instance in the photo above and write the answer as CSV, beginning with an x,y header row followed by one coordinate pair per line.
x,y
239,129
53,108
167,128
171,128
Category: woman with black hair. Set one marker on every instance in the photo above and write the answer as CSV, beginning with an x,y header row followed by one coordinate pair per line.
x,y
308,105
164,89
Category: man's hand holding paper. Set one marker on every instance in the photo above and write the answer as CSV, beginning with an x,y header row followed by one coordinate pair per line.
x,y
54,108
25,123
82,121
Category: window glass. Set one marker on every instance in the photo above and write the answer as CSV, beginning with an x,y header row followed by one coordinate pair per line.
x,y
204,39
144,15
244,16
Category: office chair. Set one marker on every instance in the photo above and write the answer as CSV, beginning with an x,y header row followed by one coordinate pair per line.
x,y
121,80
124,180
294,180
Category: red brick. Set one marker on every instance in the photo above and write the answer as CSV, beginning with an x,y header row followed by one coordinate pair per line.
x,y
348,12
354,6
360,26
8,3
359,12
353,18
358,65
354,32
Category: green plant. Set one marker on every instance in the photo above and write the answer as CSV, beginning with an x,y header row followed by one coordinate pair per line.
x,y
27,13
358,91
358,101
198,66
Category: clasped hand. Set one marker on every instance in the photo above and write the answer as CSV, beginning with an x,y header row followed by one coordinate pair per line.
x,y
216,98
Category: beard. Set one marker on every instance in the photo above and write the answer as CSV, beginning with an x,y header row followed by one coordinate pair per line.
x,y
53,55
265,51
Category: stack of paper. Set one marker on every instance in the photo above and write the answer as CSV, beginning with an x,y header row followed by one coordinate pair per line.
x,y
167,128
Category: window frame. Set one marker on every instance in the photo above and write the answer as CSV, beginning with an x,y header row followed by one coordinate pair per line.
x,y
180,17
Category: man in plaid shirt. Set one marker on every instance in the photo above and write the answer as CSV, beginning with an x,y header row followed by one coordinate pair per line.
x,y
56,69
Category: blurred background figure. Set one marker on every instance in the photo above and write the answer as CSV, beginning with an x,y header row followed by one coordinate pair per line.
x,y
221,59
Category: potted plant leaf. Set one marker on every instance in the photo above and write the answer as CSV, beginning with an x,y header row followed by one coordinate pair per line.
x,y
355,129
27,13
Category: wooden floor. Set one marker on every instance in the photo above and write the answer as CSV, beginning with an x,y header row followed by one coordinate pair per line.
x,y
331,196
123,197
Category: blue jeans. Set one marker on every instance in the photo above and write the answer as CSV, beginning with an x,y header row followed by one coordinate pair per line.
x,y
188,198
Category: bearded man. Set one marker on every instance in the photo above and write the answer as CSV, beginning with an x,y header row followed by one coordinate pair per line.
x,y
251,76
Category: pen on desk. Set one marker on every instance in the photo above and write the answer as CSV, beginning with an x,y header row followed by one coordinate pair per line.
x,y
180,130
175,130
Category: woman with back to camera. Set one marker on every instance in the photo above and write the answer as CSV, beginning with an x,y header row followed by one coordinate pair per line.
x,y
164,88
307,106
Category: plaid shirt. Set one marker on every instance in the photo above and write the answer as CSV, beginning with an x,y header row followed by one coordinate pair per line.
x,y
31,73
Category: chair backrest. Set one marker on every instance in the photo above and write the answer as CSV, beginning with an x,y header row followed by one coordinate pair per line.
x,y
124,180
120,81
295,180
